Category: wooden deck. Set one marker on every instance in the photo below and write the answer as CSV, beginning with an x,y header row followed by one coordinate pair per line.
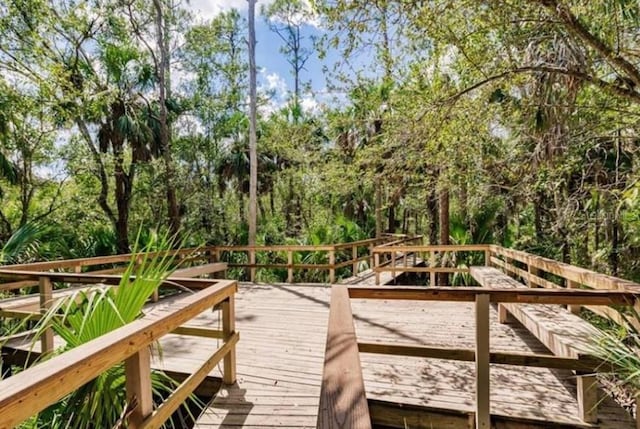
x,y
280,359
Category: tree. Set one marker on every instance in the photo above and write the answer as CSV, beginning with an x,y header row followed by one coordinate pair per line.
x,y
253,143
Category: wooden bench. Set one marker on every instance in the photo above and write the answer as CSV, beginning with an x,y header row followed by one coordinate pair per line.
x,y
563,333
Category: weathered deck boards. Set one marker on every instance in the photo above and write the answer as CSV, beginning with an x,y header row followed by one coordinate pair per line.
x,y
280,360
283,329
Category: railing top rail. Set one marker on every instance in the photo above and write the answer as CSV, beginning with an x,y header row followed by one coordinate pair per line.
x,y
274,248
570,272
96,260
433,248
108,279
521,296
32,390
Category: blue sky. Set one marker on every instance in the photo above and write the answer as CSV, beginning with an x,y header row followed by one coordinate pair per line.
x,y
275,72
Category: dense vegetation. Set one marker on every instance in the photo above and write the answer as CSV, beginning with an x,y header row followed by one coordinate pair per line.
x,y
510,122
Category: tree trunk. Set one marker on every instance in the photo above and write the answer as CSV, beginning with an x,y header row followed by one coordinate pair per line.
x,y
253,138
378,207
432,212
173,212
443,278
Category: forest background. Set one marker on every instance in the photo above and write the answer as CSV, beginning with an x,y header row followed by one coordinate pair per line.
x,y
504,122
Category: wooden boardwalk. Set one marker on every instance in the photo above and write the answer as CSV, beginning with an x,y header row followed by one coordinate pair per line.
x,y
281,353
280,360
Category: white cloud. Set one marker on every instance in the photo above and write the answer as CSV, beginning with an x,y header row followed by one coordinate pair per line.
x,y
207,9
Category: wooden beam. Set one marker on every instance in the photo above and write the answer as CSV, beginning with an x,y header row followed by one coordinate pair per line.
x,y
332,268
343,403
522,296
584,363
45,287
200,270
138,386
587,398
483,412
229,329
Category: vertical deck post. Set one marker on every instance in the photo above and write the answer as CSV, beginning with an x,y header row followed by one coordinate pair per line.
x,y
533,271
487,258
228,328
354,258
371,246
252,262
432,264
137,370
332,266
587,397
483,416
46,298
289,266
376,257
393,266
575,309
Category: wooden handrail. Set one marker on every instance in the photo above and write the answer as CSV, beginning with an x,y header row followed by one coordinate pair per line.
x,y
32,390
343,403
341,362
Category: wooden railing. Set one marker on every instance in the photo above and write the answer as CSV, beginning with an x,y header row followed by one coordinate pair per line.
x,y
436,259
343,396
30,391
537,271
335,256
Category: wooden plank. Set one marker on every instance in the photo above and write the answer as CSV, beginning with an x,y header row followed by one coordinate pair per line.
x,y
587,387
30,391
45,288
585,364
433,248
483,416
197,331
289,266
395,269
229,328
523,296
137,369
342,399
200,270
332,268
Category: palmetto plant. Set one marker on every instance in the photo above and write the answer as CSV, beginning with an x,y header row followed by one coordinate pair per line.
x,y
87,315
621,348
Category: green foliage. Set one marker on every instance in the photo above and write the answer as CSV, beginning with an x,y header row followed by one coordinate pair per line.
x,y
90,313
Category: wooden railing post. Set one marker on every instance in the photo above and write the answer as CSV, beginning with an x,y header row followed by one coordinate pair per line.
x,y
229,328
354,258
393,266
332,266
587,387
487,258
533,271
483,416
252,262
371,261
138,386
575,309
376,266
432,264
289,266
45,287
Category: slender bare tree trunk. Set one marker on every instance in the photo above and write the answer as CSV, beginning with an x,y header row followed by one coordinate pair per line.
x,y
443,278
173,212
253,143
